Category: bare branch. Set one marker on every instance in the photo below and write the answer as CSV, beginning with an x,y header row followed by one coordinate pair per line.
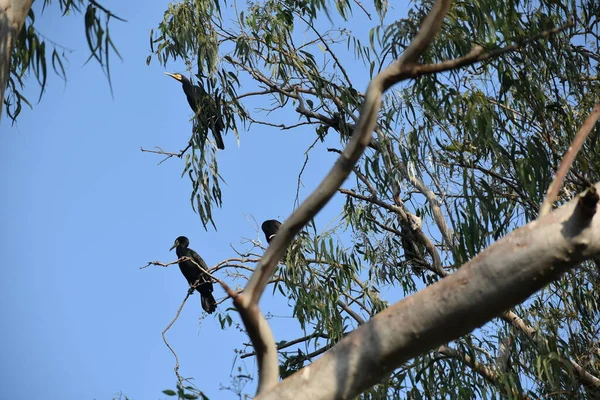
x,y
176,368
166,153
359,175
297,199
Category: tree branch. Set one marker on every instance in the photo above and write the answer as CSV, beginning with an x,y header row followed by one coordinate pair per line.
x,y
568,160
342,168
285,345
477,54
582,375
500,277
360,139
487,373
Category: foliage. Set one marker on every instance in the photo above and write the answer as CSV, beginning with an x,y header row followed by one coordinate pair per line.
x,y
459,160
33,51
185,393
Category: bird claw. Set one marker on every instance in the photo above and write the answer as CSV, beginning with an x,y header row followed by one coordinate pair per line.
x,y
190,291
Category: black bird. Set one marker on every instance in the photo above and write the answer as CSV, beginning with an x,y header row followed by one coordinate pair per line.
x,y
270,228
203,104
192,273
293,253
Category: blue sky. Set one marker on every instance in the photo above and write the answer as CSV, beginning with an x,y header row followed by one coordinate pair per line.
x,y
83,209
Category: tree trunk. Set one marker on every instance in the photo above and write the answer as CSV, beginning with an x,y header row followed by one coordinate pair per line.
x,y
12,17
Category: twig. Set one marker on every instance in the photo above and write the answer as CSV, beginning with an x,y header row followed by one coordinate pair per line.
x,y
291,343
486,372
568,160
359,175
280,126
160,264
166,153
176,368
296,201
358,3
335,59
188,294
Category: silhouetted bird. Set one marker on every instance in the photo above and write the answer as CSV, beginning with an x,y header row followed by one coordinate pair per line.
x,y
192,273
203,105
293,254
270,228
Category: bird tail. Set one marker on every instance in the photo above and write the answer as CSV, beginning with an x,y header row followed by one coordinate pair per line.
x,y
219,139
209,303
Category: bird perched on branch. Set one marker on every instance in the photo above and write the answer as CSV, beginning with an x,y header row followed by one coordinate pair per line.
x,y
270,228
195,273
293,254
204,106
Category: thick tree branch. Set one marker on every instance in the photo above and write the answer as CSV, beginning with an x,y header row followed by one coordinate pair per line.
x,y
262,339
500,277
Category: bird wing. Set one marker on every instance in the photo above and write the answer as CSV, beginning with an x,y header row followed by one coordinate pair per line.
x,y
205,288
196,257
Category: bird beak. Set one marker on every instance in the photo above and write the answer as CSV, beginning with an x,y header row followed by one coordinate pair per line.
x,y
174,76
174,245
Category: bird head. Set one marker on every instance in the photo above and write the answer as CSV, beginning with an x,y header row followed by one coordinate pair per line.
x,y
270,228
180,241
178,77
